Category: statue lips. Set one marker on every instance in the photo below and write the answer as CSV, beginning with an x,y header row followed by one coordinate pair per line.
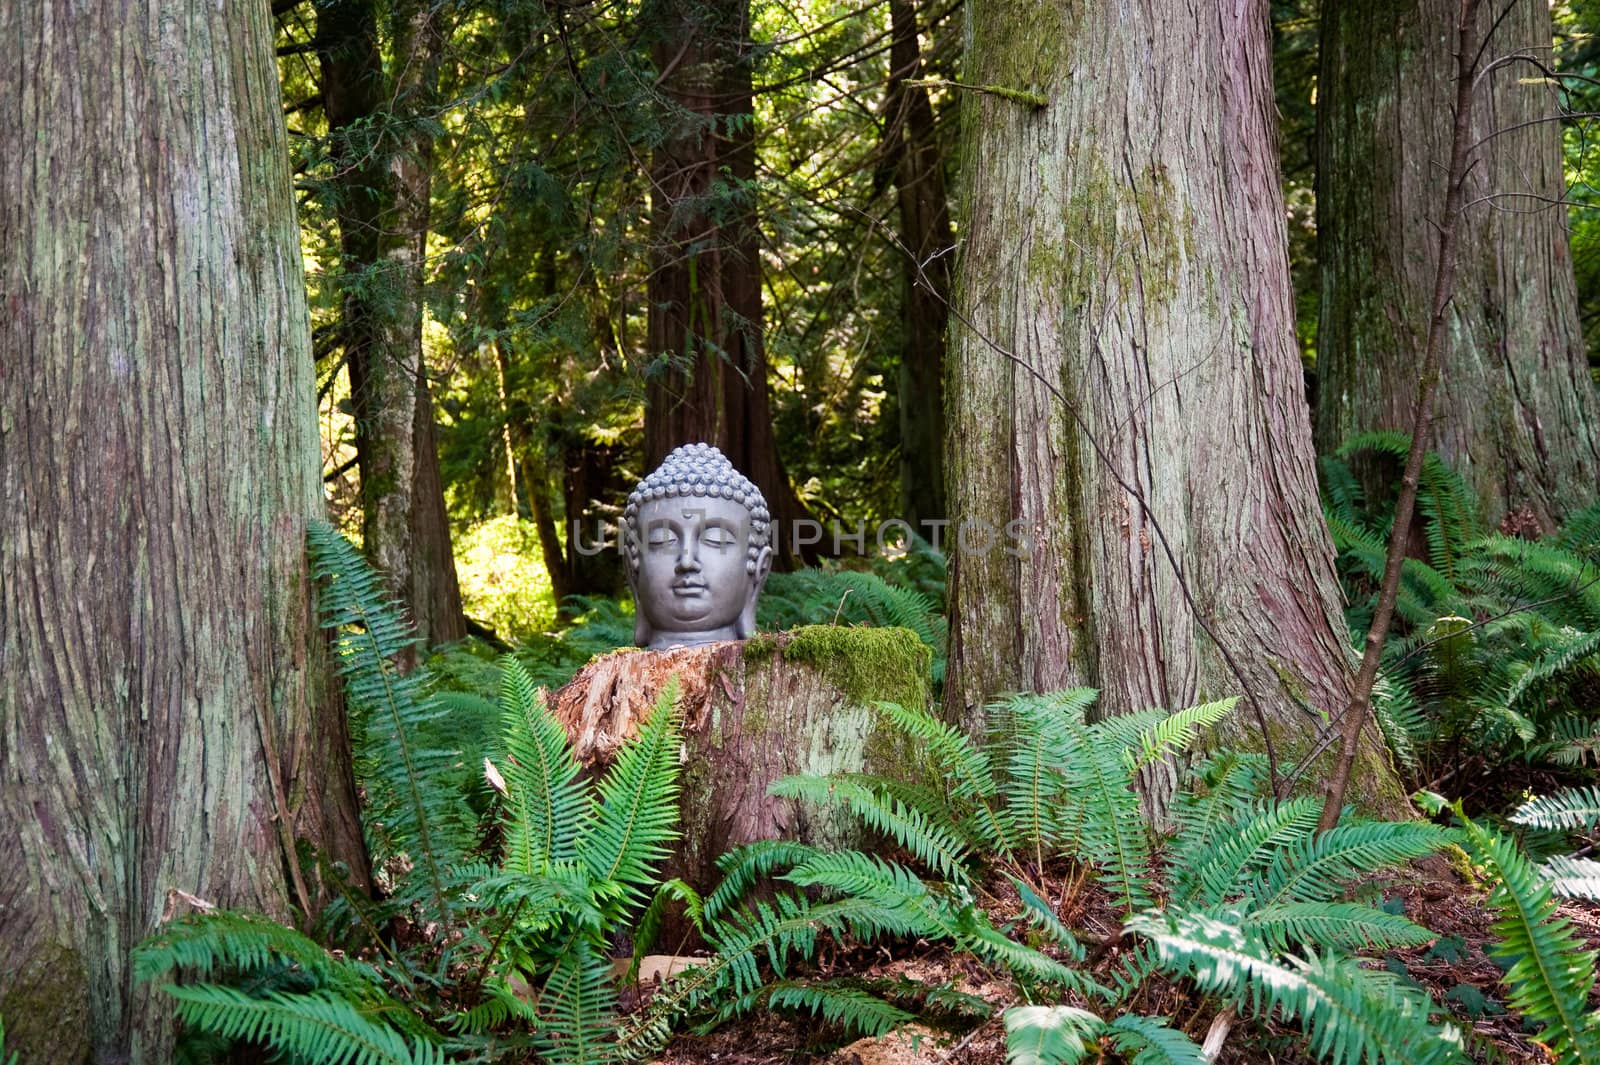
x,y
691,588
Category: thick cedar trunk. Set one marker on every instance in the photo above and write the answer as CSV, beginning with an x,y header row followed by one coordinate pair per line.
x,y
383,224
1517,413
164,724
704,290
1125,243
913,150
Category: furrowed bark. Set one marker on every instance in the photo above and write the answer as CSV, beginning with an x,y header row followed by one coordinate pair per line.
x,y
1429,372
1124,381
384,163
912,149
163,720
1519,418
704,291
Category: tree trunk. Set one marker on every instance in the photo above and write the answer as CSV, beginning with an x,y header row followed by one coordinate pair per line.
x,y
164,724
1518,415
913,151
384,163
704,290
754,711
1126,341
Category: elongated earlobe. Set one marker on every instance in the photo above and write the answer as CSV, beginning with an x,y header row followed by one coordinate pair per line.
x,y
641,627
745,627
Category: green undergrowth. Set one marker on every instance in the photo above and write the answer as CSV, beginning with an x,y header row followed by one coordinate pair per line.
x,y
506,928
1494,655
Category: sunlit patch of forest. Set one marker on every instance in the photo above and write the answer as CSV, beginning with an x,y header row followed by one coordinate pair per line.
x,y
1149,612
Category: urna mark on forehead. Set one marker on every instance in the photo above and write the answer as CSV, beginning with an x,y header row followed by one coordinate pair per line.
x,y
698,550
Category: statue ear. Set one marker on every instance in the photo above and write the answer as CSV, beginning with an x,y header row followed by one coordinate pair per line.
x,y
745,627
641,627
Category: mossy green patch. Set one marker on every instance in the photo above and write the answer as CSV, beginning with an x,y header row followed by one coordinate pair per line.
x,y
47,1005
869,665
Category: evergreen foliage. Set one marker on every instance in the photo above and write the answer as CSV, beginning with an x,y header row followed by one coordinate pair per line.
x,y
1496,644
1548,969
1257,911
573,862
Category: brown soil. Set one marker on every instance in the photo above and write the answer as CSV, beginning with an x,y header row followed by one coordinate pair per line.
x,y
1454,969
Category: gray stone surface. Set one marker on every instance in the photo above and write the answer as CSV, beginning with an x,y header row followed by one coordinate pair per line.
x,y
697,537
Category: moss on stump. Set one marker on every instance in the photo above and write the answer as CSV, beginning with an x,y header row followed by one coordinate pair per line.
x,y
754,711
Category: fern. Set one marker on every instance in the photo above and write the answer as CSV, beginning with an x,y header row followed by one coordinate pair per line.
x,y
1222,790
409,781
1317,868
546,805
1548,972
1148,1041
1347,926
1351,1014
856,1011
580,1007
205,944
318,1026
1212,874
1049,1035
637,814
1111,835
1577,878
908,827
1574,810
745,866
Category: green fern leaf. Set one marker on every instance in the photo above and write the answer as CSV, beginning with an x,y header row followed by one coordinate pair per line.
x,y
1248,846
1175,732
909,827
318,1026
1317,867
746,865
1573,878
1347,926
1049,1035
638,811
858,1012
1043,916
1351,1014
1573,810
580,1007
411,783
885,884
1148,1041
1222,790
1549,972
547,807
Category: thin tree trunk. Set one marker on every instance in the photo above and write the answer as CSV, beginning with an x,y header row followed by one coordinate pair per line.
x,y
163,720
1143,419
1427,373
1519,416
704,291
383,212
913,151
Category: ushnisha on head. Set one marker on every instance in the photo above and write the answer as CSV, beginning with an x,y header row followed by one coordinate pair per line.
x,y
697,536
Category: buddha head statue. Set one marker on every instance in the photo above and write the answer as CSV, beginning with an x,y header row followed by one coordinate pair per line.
x,y
697,536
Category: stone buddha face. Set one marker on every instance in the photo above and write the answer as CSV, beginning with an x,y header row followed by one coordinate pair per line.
x,y
696,533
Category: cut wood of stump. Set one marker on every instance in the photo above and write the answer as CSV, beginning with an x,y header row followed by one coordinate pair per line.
x,y
754,711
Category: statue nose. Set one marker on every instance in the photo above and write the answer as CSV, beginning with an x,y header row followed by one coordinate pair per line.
x,y
688,557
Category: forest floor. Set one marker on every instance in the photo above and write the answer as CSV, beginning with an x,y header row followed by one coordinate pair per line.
x,y
1455,970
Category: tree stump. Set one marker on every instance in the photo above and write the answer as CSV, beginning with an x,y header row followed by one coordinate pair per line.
x,y
754,711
